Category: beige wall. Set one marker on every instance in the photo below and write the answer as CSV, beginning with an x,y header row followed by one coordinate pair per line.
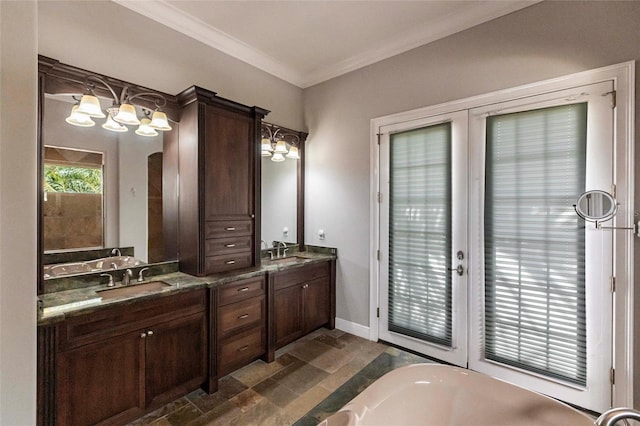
x,y
18,106
546,40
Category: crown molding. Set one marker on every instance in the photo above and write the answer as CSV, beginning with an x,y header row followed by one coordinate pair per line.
x,y
165,13
471,16
174,18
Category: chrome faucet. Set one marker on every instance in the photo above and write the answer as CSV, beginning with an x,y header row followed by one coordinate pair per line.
x,y
284,245
113,265
141,274
111,283
116,252
610,417
126,277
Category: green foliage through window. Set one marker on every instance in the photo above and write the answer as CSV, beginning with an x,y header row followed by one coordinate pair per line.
x,y
72,179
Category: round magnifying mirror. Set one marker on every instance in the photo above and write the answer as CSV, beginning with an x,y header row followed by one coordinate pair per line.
x,y
596,206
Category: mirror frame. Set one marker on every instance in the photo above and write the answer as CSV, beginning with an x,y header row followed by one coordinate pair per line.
x,y
300,170
55,77
607,216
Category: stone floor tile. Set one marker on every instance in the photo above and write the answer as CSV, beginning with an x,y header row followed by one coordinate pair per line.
x,y
306,402
331,341
256,372
309,350
332,360
301,379
275,392
184,415
339,377
161,412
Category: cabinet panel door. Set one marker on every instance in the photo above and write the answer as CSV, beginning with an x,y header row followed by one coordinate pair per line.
x,y
228,164
176,360
288,315
316,303
101,381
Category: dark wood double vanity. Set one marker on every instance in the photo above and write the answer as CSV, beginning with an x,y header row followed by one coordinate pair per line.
x,y
224,306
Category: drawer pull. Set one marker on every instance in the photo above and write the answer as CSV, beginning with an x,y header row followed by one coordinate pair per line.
x,y
230,228
243,316
229,245
244,348
230,262
243,289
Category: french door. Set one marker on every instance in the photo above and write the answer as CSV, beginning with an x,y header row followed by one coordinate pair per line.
x,y
424,206
484,263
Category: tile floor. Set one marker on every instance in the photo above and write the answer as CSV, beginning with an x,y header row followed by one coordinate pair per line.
x,y
309,380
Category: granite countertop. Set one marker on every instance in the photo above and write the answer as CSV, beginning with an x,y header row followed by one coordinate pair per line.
x,y
56,307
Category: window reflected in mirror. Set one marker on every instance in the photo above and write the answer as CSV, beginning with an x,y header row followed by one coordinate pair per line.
x,y
73,199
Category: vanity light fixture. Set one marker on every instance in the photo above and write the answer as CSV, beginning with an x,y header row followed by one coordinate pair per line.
x,y
121,113
274,143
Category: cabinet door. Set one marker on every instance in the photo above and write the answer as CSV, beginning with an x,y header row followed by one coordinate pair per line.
x,y
101,381
288,315
176,360
316,303
229,164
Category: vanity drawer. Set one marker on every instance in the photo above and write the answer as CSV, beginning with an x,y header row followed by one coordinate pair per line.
x,y
241,350
241,315
228,228
228,262
118,320
241,290
299,275
218,246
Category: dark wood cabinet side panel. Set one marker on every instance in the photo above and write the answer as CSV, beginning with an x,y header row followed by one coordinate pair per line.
x,y
189,236
176,354
46,376
101,382
228,169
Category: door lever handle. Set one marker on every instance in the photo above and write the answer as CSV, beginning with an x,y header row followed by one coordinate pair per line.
x,y
459,270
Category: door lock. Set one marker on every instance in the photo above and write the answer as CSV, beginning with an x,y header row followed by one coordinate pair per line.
x,y
459,270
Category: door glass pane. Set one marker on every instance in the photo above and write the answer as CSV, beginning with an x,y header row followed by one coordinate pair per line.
x,y
535,243
420,234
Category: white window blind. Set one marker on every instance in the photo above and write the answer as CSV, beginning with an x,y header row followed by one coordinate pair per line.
x,y
535,243
420,234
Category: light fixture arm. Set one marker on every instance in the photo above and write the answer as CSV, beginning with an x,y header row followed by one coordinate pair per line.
x,y
91,86
159,100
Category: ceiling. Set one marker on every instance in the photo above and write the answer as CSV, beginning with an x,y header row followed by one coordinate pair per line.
x,y
306,42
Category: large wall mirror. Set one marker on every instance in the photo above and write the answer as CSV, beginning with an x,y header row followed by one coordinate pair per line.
x,y
102,189
282,205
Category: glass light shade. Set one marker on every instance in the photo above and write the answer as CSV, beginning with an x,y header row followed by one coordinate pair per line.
x,y
159,121
127,115
145,129
266,145
277,157
281,147
113,126
293,153
265,153
79,119
90,105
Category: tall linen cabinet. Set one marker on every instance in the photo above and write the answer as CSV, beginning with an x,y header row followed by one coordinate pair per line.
x,y
219,183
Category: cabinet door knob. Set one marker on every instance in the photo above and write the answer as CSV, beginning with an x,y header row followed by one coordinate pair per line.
x,y
143,335
149,333
243,289
305,286
243,316
244,348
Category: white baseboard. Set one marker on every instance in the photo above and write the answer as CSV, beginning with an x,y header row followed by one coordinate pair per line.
x,y
352,328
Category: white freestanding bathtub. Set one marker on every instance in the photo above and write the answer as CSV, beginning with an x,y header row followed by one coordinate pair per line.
x,y
430,394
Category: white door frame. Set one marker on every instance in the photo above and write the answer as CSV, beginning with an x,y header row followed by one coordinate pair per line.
x,y
623,76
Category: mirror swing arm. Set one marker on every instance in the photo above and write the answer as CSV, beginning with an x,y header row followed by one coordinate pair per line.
x,y
604,208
